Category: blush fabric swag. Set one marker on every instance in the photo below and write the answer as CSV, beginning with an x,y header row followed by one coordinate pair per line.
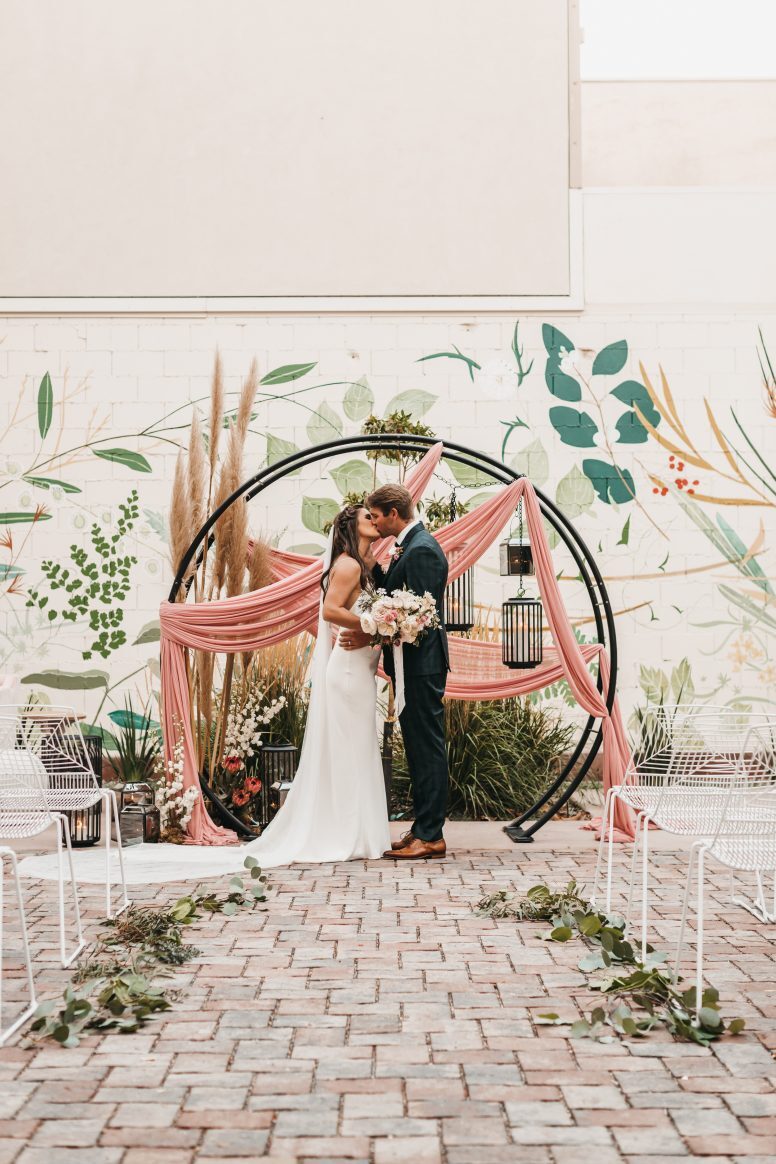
x,y
290,605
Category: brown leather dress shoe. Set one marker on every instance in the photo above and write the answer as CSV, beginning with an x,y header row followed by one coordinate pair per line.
x,y
404,840
418,850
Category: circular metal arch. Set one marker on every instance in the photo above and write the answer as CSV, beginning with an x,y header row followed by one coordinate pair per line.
x,y
591,736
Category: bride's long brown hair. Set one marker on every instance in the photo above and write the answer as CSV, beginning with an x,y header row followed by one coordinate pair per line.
x,y
345,541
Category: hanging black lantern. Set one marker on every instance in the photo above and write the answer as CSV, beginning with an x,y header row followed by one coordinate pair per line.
x,y
521,617
459,594
514,554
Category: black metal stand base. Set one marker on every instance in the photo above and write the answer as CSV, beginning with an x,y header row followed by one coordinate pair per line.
x,y
516,834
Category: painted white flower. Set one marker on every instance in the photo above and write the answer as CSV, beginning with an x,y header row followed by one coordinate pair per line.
x,y
496,380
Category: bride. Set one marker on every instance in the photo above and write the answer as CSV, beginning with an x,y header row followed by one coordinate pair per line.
x,y
336,808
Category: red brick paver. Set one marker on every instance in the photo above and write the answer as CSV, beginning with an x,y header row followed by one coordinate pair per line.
x,y
369,1015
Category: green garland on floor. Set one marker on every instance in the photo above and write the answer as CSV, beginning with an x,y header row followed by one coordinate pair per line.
x,y
640,997
122,991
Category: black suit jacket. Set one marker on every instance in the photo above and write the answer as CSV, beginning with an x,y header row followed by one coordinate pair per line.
x,y
421,567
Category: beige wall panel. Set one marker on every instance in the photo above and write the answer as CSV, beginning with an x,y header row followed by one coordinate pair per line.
x,y
295,148
679,133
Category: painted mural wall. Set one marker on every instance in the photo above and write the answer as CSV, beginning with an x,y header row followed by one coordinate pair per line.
x,y
654,434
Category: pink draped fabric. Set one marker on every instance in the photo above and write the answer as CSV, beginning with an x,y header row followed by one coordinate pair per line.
x,y
290,605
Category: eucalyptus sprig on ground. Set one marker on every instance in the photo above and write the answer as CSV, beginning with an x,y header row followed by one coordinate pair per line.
x,y
640,995
140,945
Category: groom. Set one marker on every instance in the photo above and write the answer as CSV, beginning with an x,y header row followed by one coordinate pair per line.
x,y
417,563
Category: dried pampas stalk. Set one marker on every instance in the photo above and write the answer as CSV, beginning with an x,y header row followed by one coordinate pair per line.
x,y
247,399
198,488
259,576
216,417
180,519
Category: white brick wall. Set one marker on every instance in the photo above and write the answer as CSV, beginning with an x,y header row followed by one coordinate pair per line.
x,y
140,369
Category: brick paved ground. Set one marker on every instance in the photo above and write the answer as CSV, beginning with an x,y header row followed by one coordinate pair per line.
x,y
370,1015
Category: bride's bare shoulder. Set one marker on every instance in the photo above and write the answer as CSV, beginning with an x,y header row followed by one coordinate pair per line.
x,y
346,567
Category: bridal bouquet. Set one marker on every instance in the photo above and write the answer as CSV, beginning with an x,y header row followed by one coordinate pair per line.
x,y
401,617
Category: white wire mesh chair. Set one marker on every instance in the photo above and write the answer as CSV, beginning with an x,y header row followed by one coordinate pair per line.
x,y
712,747
8,855
709,748
744,840
658,756
53,734
24,812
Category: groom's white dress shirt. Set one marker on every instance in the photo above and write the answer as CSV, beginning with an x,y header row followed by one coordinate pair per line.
x,y
401,536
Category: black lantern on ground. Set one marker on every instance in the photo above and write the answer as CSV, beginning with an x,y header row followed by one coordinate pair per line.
x,y
142,821
459,594
134,792
85,824
521,617
139,818
277,768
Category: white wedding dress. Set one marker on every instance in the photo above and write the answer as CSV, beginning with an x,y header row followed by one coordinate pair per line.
x,y
336,808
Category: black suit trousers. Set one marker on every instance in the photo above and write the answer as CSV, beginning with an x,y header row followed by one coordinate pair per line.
x,y
423,730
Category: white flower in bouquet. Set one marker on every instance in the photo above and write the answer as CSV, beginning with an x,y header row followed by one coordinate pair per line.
x,y
401,617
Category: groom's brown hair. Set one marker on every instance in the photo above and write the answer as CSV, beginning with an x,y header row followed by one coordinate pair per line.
x,y
389,497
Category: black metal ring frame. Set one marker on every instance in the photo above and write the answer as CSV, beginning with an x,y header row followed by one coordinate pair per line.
x,y
577,765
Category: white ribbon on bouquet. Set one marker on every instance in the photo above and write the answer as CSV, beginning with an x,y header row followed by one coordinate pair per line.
x,y
398,682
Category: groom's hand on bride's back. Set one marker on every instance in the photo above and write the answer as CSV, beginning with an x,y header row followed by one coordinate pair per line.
x,y
353,640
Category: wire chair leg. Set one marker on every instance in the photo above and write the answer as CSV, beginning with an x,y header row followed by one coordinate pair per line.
x,y
644,884
601,846
685,909
112,811
610,853
699,938
33,1003
64,831
632,882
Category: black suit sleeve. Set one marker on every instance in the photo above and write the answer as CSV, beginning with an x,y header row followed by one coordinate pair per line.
x,y
426,569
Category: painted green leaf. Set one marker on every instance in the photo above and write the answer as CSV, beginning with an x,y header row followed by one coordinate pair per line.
x,y
625,535
414,400
479,499
16,518
150,633
324,425
611,359
353,477
466,476
126,458
45,405
457,354
574,427
124,717
278,450
560,384
231,418
631,392
630,430
287,372
612,485
68,680
317,511
533,462
555,340
575,495
307,549
682,685
359,400
51,483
